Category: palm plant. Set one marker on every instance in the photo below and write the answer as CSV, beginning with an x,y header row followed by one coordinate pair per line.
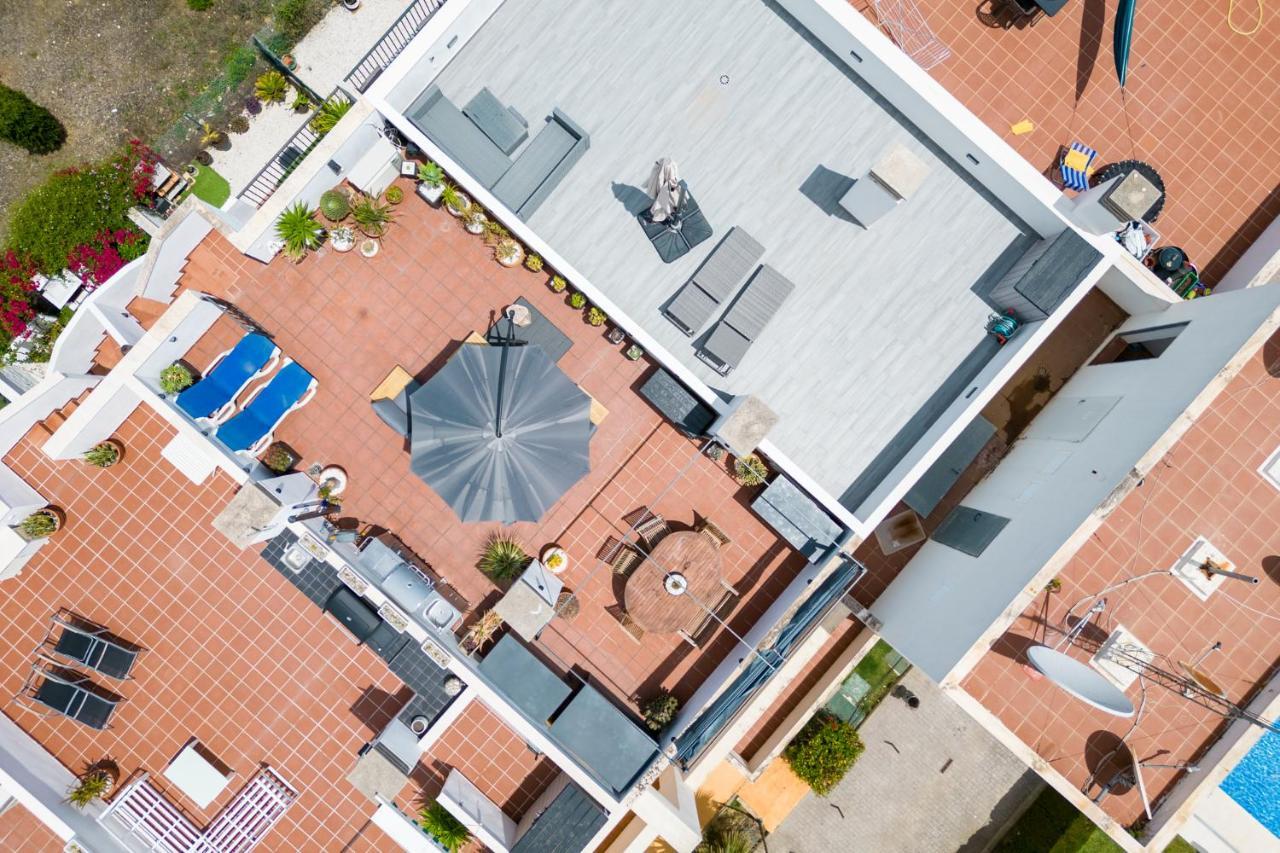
x,y
331,112
271,87
210,136
174,378
334,205
502,558
372,216
299,230
446,829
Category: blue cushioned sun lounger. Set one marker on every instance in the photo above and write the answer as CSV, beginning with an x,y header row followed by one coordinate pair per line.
x,y
228,376
249,430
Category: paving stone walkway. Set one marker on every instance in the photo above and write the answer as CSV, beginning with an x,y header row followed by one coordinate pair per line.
x,y
931,781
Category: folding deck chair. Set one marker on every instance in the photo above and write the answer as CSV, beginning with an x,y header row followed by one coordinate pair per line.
x,y
67,693
1077,166
213,397
90,645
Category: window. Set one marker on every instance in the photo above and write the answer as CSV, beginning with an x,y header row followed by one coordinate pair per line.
x,y
969,530
1139,344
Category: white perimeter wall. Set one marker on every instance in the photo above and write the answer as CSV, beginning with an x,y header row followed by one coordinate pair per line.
x,y
944,600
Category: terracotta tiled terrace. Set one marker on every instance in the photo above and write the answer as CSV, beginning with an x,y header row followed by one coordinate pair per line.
x,y
349,321
1199,104
236,656
22,832
1207,485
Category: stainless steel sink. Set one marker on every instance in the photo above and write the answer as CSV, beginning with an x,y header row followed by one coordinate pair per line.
x,y
407,587
439,613
296,557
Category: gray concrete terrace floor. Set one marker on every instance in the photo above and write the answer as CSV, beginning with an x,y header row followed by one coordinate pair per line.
x,y
879,317
931,779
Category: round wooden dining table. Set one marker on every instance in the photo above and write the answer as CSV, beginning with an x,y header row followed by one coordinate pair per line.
x,y
694,555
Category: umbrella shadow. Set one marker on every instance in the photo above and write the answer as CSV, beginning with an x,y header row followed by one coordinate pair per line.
x,y
634,199
1091,27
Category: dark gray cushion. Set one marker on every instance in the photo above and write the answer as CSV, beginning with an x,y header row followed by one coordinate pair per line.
x,y
394,412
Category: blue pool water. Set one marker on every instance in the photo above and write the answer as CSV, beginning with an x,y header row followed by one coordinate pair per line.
x,y
1254,783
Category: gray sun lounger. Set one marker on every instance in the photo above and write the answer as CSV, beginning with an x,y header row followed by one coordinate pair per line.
x,y
745,319
92,646
715,282
69,694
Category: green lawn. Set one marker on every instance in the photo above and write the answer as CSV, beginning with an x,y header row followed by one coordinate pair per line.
x,y
1053,825
211,187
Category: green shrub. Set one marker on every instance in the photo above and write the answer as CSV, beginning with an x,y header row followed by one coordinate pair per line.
x,y
175,378
238,124
102,455
199,5
750,470
72,208
660,710
446,829
271,87
533,262
823,751
334,205
27,124
502,558
301,103
239,63
596,317
331,112
291,19
299,230
558,284
577,300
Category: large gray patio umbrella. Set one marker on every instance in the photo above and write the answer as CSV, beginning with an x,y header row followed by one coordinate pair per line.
x,y
500,432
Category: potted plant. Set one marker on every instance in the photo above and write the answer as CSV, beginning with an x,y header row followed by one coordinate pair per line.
x,y
279,458
104,454
502,559
288,61
481,631
474,220
533,262
342,238
557,284
750,470
577,300
615,335
660,710
455,201
174,378
715,452
595,317
204,158
334,205
634,353
453,685
371,216
567,605
95,784
394,194
369,247
508,252
431,181
40,524
299,232
437,822
555,559
351,5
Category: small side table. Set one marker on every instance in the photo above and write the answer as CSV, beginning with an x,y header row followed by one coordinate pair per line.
x,y
197,774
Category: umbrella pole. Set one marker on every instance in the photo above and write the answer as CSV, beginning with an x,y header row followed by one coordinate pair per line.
x,y
502,381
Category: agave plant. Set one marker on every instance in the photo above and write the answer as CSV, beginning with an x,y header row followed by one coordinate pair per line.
x,y
174,378
334,205
39,524
431,174
502,557
210,136
372,216
271,87
331,112
301,103
102,455
300,231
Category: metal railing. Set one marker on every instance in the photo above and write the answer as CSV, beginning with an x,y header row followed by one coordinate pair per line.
x,y
288,158
392,42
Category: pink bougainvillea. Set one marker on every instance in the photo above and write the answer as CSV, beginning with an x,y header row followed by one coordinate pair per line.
x,y
144,168
97,261
16,287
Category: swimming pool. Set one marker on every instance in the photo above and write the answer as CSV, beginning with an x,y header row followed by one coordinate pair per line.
x,y
1254,783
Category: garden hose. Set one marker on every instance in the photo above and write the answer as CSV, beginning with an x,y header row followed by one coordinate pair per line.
x,y
1231,11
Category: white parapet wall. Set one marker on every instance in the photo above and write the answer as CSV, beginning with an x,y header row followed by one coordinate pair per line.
x,y
1062,475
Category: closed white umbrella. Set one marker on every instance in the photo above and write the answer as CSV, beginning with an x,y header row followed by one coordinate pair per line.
x,y
663,187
